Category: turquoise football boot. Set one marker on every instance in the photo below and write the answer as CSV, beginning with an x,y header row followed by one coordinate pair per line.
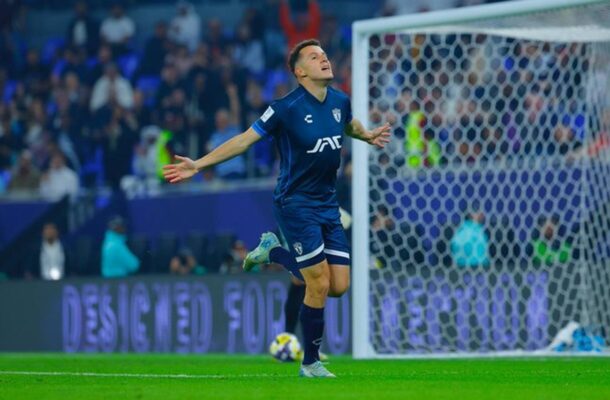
x,y
260,255
315,370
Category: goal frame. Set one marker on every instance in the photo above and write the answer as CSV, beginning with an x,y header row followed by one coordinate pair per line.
x,y
362,30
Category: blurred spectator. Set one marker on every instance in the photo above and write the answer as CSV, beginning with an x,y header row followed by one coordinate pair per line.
x,y
227,127
181,59
215,40
255,106
303,25
170,80
25,176
331,38
117,260
35,75
118,142
59,180
74,63
47,258
232,263
140,112
565,143
146,163
470,243
10,9
185,27
83,29
248,51
184,263
421,150
104,57
111,88
155,51
10,143
117,30
255,20
550,245
36,136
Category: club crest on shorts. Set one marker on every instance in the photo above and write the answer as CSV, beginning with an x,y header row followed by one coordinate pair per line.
x,y
298,247
337,114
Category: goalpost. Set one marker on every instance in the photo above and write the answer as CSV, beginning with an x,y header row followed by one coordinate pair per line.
x,y
500,115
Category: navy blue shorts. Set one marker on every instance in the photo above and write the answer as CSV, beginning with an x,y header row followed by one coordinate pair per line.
x,y
313,233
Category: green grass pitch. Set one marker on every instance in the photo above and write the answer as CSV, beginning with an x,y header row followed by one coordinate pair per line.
x,y
117,376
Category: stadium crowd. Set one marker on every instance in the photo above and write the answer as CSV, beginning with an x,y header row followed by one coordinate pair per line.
x,y
91,109
113,110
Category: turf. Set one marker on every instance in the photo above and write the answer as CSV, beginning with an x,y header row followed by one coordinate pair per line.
x,y
258,377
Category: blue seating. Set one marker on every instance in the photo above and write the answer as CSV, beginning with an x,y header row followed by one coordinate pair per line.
x,y
148,84
128,64
50,48
9,90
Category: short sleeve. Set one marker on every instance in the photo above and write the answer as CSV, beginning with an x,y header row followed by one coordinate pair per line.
x,y
348,111
269,123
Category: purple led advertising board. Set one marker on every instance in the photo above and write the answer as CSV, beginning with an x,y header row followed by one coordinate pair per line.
x,y
481,311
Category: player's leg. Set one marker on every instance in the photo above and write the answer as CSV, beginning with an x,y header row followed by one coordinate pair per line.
x,y
296,294
303,233
339,280
317,282
336,249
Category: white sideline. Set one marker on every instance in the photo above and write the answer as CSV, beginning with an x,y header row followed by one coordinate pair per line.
x,y
145,376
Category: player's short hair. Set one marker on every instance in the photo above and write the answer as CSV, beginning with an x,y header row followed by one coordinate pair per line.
x,y
293,57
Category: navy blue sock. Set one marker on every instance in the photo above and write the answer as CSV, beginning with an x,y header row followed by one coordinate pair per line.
x,y
312,322
296,293
280,255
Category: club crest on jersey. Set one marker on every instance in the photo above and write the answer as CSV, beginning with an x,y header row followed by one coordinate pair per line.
x,y
298,247
332,142
337,114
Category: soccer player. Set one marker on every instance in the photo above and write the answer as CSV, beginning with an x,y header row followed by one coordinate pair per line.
x,y
308,125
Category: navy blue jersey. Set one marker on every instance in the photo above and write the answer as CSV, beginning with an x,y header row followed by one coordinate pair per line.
x,y
309,136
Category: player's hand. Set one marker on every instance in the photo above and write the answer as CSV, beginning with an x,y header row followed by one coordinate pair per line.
x,y
175,173
379,136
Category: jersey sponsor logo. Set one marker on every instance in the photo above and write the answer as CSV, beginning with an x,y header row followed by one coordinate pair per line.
x,y
267,114
337,114
333,142
309,119
298,247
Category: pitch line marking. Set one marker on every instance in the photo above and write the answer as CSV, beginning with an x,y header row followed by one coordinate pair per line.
x,y
145,376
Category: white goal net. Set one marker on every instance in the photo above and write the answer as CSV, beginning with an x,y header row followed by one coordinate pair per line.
x,y
484,226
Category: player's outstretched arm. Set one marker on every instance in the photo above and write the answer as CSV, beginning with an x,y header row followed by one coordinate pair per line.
x,y
186,168
376,137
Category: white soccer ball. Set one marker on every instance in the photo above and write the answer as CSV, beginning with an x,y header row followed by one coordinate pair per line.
x,y
285,347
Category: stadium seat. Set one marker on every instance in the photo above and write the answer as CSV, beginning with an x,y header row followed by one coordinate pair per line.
x,y
9,90
164,249
218,247
128,64
148,84
139,245
82,256
50,49
197,243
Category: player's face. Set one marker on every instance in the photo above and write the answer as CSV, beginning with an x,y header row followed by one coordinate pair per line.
x,y
315,64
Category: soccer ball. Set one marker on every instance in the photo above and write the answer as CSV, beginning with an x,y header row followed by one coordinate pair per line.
x,y
285,347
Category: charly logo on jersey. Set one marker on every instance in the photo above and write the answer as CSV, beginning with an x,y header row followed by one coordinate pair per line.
x,y
337,114
298,247
332,142
309,119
